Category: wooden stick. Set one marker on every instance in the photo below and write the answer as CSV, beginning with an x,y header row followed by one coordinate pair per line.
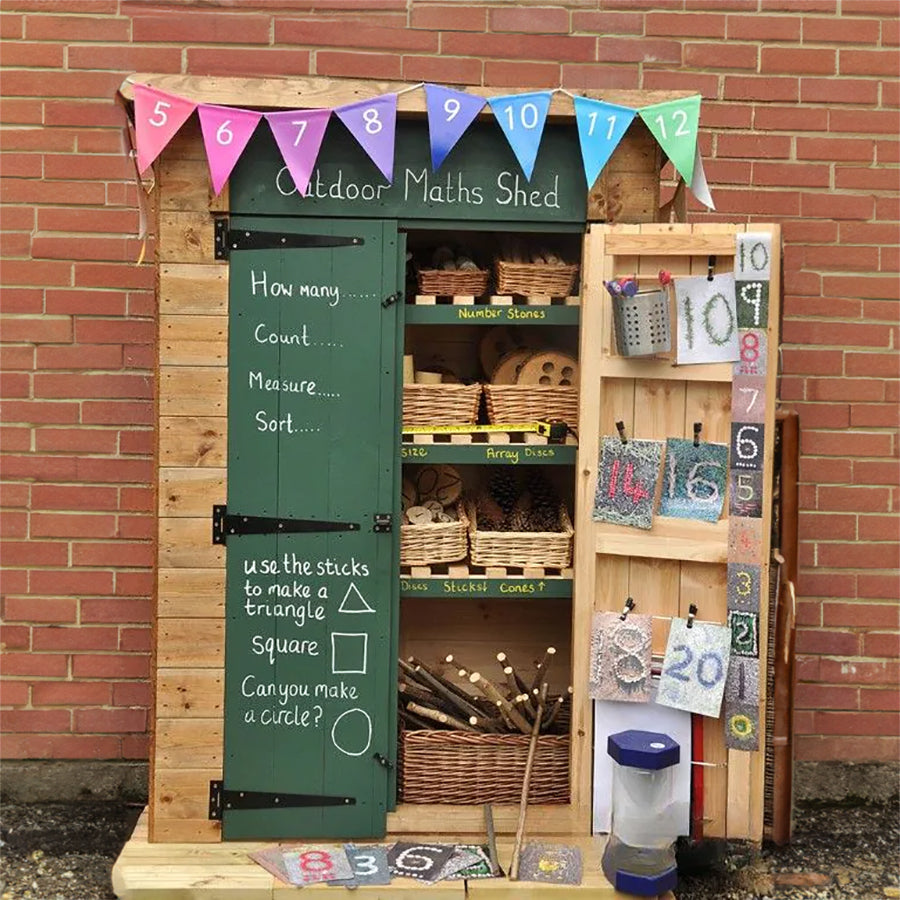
x,y
542,666
504,717
490,690
437,716
484,723
452,697
491,838
526,784
503,659
419,724
553,711
411,689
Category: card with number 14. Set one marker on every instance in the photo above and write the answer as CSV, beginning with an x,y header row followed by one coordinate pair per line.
x,y
626,482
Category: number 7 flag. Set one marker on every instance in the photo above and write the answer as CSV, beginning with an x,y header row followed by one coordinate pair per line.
x,y
157,116
299,135
450,113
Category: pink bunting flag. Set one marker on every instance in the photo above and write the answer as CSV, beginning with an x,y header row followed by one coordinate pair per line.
x,y
226,132
157,116
299,135
374,124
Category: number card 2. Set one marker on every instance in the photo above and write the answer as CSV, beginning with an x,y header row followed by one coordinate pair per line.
x,y
626,482
695,666
693,480
744,632
707,319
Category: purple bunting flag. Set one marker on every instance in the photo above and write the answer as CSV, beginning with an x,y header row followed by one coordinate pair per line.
x,y
450,113
226,132
374,125
299,135
522,118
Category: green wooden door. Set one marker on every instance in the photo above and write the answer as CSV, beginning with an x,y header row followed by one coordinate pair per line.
x,y
310,674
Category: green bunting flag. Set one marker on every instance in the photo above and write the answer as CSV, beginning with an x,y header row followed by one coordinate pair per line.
x,y
674,125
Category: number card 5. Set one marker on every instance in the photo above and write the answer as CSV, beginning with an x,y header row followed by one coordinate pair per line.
x,y
695,666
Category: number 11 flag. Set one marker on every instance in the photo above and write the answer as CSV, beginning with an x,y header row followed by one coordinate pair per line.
x,y
601,126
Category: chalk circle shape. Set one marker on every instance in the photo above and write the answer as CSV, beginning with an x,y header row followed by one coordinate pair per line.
x,y
741,726
349,728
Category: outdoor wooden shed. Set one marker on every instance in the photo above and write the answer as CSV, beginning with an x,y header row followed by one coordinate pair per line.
x,y
229,438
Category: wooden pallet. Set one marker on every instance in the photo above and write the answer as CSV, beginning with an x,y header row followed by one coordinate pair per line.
x,y
146,871
494,300
484,437
466,570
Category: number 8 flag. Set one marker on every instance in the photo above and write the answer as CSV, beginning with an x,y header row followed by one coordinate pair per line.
x,y
226,131
374,125
157,116
450,113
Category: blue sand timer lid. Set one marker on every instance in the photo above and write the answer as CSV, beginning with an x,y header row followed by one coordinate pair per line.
x,y
643,749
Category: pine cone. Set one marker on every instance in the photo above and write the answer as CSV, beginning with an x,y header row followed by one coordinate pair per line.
x,y
490,514
503,488
545,503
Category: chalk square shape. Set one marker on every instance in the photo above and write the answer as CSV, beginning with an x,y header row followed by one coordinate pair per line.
x,y
742,683
620,657
626,482
753,256
752,304
693,480
748,398
748,440
745,494
742,727
744,540
349,653
753,353
552,863
744,632
694,667
421,861
743,586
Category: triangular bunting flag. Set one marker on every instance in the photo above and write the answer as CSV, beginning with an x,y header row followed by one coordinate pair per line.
x,y
450,113
157,116
699,185
601,126
374,124
299,134
522,118
674,125
226,131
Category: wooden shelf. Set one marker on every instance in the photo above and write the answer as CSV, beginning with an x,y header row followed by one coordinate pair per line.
x,y
487,448
683,539
460,580
492,310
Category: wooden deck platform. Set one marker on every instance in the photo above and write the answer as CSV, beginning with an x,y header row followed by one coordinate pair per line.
x,y
146,871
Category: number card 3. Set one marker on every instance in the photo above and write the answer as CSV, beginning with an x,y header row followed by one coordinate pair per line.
x,y
707,319
694,668
626,482
743,587
693,480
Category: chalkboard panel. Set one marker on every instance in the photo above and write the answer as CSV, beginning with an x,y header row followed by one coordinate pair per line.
x,y
312,396
479,181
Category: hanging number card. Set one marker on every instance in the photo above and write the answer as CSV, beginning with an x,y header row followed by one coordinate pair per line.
x,y
695,666
620,657
707,319
694,478
626,483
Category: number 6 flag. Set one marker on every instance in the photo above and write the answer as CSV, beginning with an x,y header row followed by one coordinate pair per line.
x,y
226,131
695,667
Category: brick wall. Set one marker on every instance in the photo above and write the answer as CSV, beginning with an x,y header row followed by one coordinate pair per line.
x,y
799,125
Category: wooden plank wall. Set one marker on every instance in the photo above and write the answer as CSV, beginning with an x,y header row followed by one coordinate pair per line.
x,y
186,748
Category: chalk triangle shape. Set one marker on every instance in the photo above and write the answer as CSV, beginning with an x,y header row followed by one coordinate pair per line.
x,y
354,602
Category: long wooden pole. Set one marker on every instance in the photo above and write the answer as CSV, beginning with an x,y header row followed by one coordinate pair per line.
x,y
526,784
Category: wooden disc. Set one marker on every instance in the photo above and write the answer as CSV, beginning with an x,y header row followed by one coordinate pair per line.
x,y
549,367
507,369
419,515
497,342
442,483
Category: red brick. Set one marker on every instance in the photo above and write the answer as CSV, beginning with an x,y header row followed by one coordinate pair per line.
x,y
851,389
827,526
886,8
15,637
822,415
873,615
242,62
879,528
728,171
15,385
890,93
823,470
61,746
70,693
812,362
869,471
11,26
837,206
119,275
455,17
887,208
823,443
129,584
841,30
339,33
855,91
198,27
115,610
111,665
110,221
784,60
825,696
685,25
856,723
520,47
137,500
34,609
534,20
857,498
511,74
34,553
727,115
67,582
868,62
866,122
119,553
22,300
135,746
14,693
830,149
126,57
112,331
358,65
115,470
71,440
78,638
15,495
860,178
35,720
795,6
137,527
607,22
577,77
74,497
42,665
872,698
876,586
789,118
875,415
826,584
128,693
857,556
663,79
85,247
87,114
135,639
117,412
43,273
75,385
37,83
714,55
137,442
88,302
809,613
854,671
435,69
113,721
33,55
17,439
80,356
875,288
72,525
832,643
758,202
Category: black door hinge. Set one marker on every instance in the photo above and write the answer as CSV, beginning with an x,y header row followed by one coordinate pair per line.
x,y
383,761
222,799
384,523
227,239
391,299
225,524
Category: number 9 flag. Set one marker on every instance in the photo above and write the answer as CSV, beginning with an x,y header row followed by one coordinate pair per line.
x,y
450,113
157,116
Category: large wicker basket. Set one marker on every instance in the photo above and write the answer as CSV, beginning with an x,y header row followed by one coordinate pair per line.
x,y
520,549
462,767
530,403
440,404
532,279
439,542
450,282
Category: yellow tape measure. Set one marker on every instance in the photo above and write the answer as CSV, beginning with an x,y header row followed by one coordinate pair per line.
x,y
555,430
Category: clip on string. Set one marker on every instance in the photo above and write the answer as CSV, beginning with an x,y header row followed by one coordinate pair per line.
x,y
620,427
710,265
692,612
698,427
627,608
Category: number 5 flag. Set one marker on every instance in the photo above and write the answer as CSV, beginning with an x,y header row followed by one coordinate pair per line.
x,y
157,116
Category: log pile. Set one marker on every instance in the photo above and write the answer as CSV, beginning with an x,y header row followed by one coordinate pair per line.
x,y
430,700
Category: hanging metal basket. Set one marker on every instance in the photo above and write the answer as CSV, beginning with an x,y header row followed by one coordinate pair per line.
x,y
641,323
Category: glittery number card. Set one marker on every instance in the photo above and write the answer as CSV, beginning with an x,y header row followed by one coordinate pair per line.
x,y
707,319
620,657
694,480
626,483
695,666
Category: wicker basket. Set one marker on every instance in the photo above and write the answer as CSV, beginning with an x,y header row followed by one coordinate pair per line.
x,y
450,282
530,279
530,403
462,767
550,549
439,542
440,404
